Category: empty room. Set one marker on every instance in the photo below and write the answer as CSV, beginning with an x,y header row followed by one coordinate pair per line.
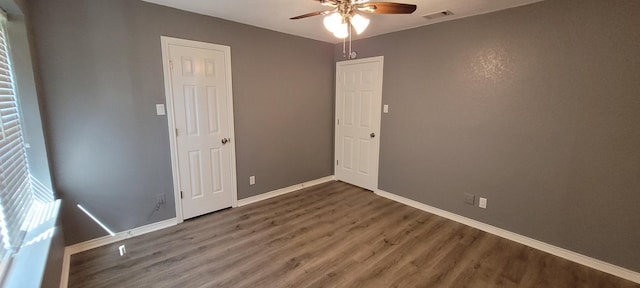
x,y
320,143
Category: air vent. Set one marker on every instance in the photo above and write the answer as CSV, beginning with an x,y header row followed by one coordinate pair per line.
x,y
437,15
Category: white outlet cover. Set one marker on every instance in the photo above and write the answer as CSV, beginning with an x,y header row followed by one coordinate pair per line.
x,y
252,180
385,108
482,203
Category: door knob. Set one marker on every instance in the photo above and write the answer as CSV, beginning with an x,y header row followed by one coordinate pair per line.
x,y
373,135
225,140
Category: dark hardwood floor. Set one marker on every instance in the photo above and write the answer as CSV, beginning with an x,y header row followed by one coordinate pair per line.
x,y
330,235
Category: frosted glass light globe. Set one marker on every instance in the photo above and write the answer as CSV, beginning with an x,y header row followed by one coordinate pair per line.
x,y
359,23
342,31
332,21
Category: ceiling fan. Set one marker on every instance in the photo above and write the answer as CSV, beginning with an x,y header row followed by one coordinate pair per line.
x,y
344,15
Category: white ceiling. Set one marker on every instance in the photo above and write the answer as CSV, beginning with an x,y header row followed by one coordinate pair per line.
x,y
275,14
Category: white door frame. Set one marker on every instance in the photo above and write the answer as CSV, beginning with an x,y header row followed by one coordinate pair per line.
x,y
166,41
380,61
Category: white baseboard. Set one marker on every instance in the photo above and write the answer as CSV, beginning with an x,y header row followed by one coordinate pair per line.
x,y
536,244
282,191
94,243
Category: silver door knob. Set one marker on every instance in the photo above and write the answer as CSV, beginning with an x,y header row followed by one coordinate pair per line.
x,y
373,135
225,140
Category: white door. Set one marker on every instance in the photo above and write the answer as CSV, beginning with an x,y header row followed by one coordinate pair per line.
x,y
201,109
358,108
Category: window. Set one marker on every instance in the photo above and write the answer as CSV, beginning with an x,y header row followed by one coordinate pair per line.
x,y
16,197
1,128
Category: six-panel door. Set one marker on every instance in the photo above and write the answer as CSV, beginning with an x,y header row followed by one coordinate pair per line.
x,y
200,96
358,104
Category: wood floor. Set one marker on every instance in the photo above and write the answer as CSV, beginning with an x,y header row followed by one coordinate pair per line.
x,y
330,235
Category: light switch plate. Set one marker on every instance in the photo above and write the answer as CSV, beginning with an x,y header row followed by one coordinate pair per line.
x,y
160,109
385,108
252,180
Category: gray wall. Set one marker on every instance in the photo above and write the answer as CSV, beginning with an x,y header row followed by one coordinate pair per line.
x,y
536,108
101,72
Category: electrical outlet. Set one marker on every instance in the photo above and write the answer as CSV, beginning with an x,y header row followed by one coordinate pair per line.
x,y
252,180
482,203
469,198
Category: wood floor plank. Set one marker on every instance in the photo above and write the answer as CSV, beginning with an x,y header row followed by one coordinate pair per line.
x,y
287,246
329,235
321,243
224,255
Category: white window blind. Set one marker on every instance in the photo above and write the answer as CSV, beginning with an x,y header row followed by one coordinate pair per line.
x,y
16,198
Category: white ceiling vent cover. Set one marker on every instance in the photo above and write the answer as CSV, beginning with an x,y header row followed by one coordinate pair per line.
x,y
437,15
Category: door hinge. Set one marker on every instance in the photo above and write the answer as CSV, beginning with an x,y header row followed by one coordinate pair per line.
x,y
337,162
180,194
338,121
176,132
170,65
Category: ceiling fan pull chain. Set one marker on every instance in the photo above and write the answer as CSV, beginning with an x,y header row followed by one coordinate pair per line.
x,y
344,47
350,28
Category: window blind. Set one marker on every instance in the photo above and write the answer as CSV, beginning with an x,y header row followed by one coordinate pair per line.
x,y
16,198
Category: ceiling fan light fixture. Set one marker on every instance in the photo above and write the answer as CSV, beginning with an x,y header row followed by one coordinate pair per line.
x,y
359,23
332,22
346,15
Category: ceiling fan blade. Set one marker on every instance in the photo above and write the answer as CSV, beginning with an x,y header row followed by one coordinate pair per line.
x,y
387,8
310,15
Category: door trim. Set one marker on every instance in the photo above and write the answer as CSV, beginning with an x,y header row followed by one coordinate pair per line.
x,y
165,42
380,61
